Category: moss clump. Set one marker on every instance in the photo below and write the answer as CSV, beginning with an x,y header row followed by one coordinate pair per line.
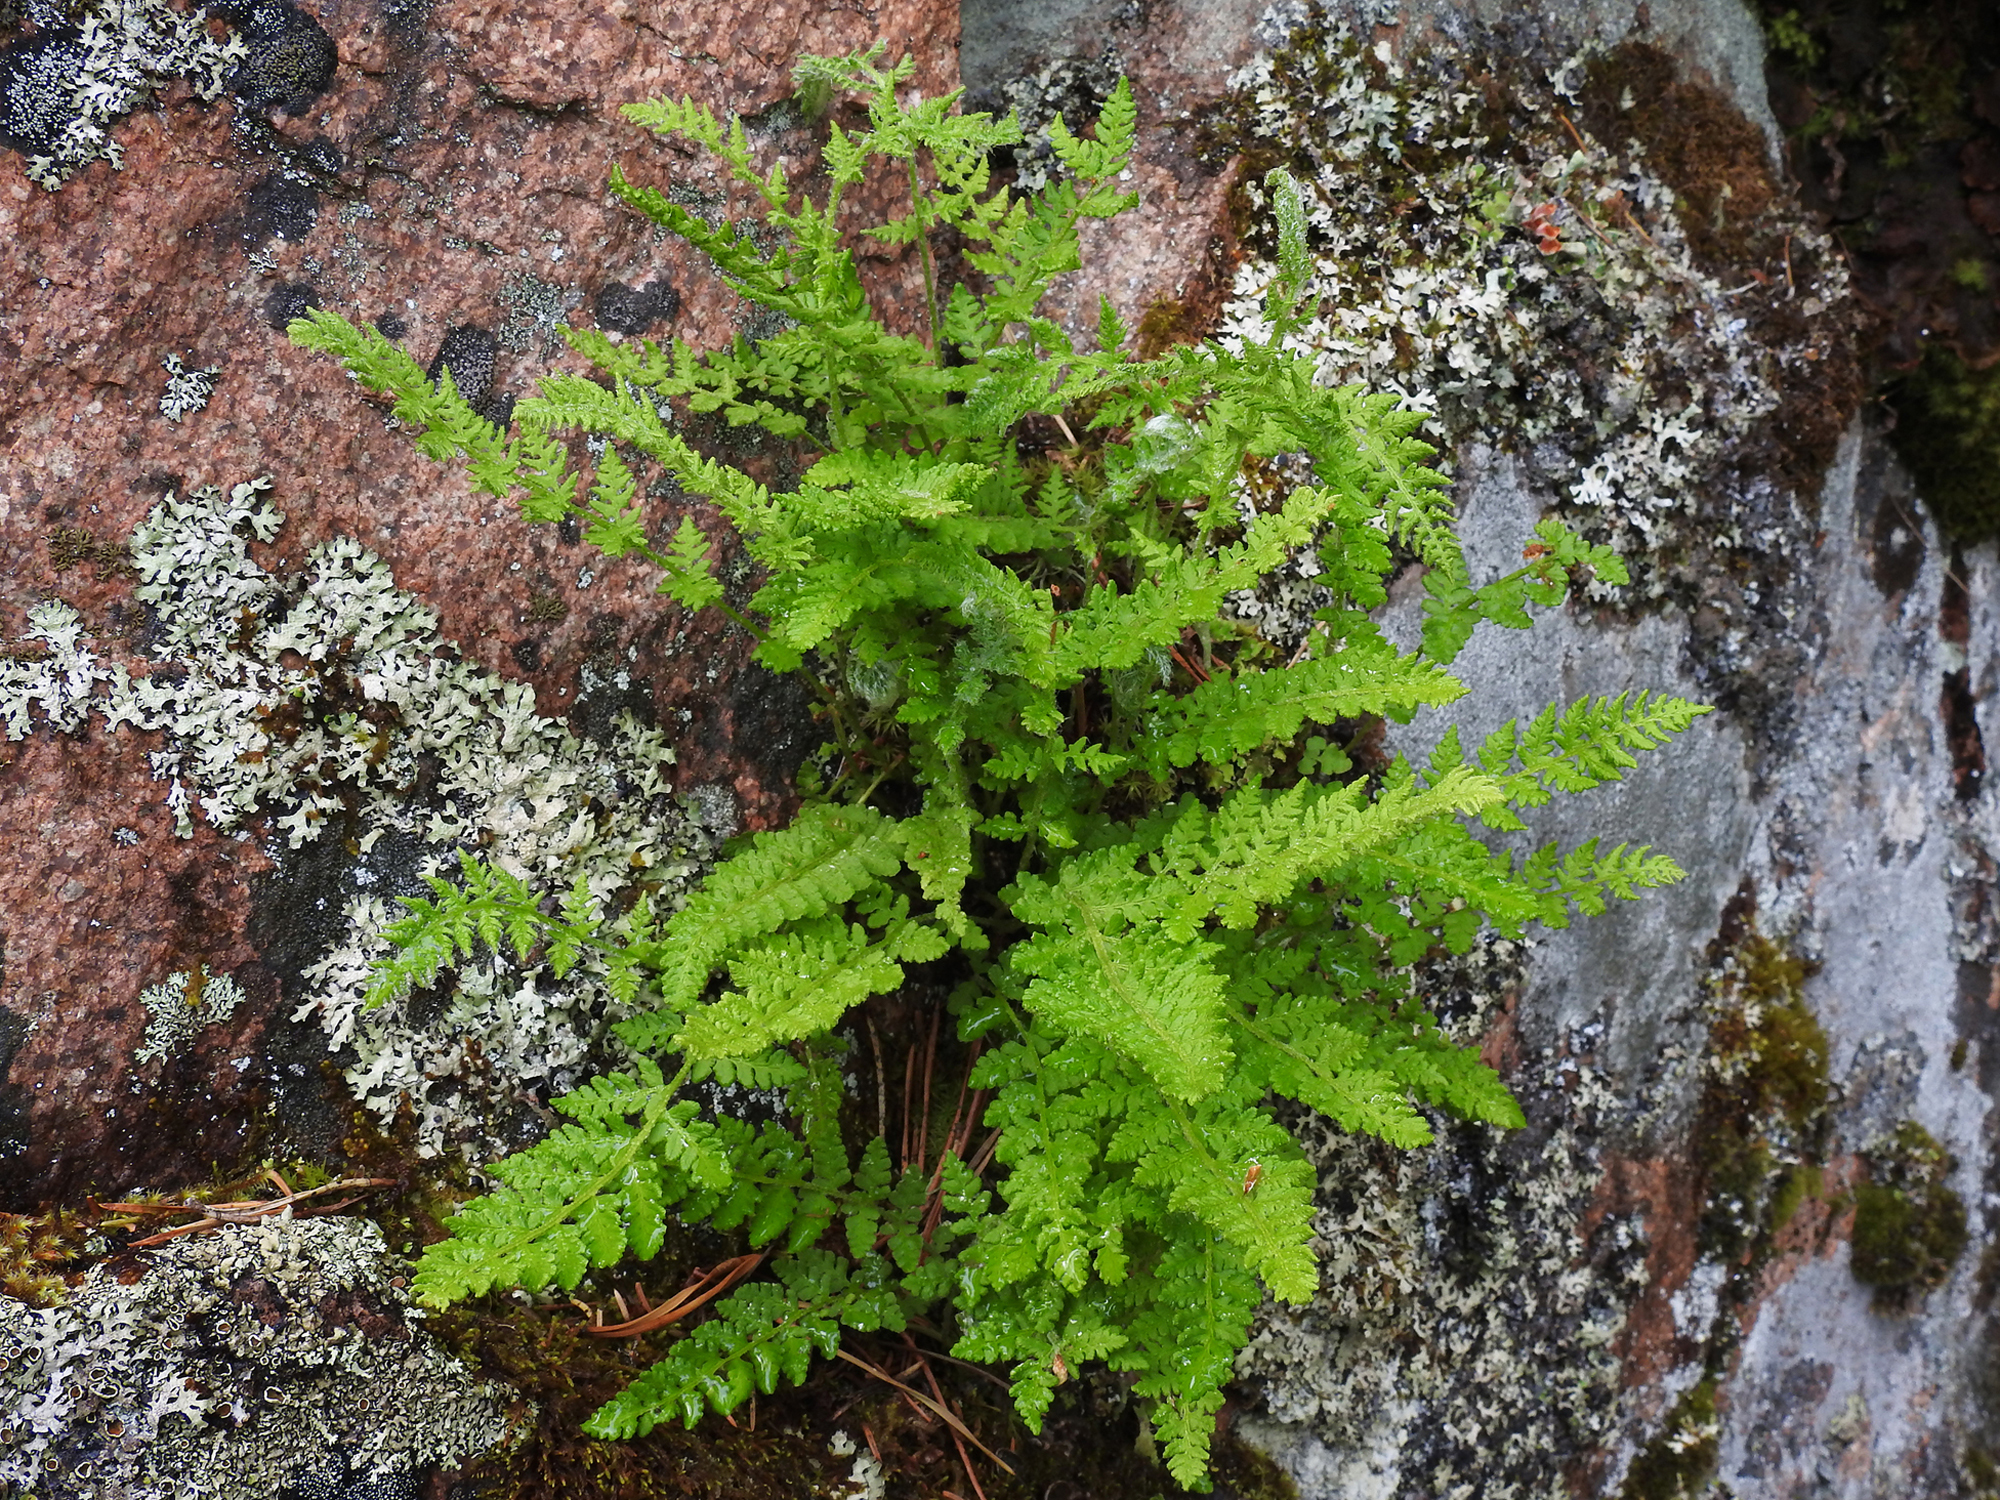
x,y
1766,1096
34,1251
1680,1460
1948,432
1909,1228
1981,1474
1166,323
1761,1133
1700,145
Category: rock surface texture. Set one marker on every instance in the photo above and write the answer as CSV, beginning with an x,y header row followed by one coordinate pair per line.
x,y
1746,1244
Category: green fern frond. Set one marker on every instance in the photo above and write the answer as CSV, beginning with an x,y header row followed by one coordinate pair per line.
x,y
1258,846
1591,742
586,1196
826,857
445,424
1241,1174
1226,718
1582,880
759,1334
1154,999
1184,1337
1295,266
492,909
1101,968
795,983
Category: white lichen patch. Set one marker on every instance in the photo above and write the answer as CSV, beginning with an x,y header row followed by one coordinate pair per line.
x,y
1072,89
181,1006
187,390
124,48
240,1364
866,1482
1529,285
328,705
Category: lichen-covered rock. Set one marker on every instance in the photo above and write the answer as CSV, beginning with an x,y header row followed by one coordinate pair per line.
x,y
62,89
327,705
247,1364
402,200
1603,340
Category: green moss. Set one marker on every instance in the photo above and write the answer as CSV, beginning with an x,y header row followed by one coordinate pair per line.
x,y
1948,432
1765,1100
1785,1045
1799,1185
1244,1472
1881,68
35,1250
1981,1474
1793,37
1166,323
1680,1460
1909,1228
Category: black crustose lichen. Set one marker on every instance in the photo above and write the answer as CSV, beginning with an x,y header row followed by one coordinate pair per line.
x,y
291,59
469,352
634,309
278,207
37,90
289,300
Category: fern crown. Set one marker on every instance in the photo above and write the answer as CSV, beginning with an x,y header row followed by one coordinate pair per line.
x,y
1138,859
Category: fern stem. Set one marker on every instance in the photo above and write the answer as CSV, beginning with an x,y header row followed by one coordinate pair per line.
x,y
920,208
880,776
735,616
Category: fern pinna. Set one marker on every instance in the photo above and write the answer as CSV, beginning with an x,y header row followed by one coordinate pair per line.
x,y
1061,787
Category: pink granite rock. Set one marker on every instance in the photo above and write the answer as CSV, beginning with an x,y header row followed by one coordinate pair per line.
x,y
464,185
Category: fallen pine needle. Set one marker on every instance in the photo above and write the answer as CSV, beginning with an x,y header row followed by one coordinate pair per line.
x,y
925,1401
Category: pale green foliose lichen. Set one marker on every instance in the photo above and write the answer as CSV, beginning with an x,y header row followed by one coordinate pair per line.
x,y
187,390
866,1481
176,1016
241,1364
326,701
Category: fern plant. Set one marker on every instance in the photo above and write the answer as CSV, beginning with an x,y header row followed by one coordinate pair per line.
x,y
1061,788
